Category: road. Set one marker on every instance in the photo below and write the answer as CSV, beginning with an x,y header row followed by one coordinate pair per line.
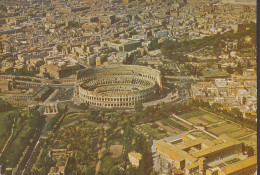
x,y
29,163
30,83
71,59
63,94
183,77
190,53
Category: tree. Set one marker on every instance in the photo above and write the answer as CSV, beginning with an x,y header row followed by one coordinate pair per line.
x,y
248,64
168,54
66,108
146,163
5,106
168,45
131,171
219,66
154,172
249,150
68,146
114,171
239,69
139,106
194,59
229,69
205,104
90,171
46,75
128,133
150,110
154,45
83,106
215,106
236,112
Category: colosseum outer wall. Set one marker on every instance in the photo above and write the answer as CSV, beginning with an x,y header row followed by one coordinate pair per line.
x,y
117,86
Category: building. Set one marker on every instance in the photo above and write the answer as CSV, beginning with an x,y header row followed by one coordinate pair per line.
x,y
6,85
58,71
223,156
62,156
131,45
127,1
134,158
237,92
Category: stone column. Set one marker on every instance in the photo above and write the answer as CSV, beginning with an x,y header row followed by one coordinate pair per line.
x,y
56,107
45,109
53,108
48,109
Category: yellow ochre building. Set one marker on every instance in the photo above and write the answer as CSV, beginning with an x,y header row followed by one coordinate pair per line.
x,y
188,155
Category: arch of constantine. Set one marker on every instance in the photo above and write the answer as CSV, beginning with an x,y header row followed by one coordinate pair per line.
x,y
51,108
117,86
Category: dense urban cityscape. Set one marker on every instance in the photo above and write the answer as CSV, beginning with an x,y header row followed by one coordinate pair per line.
x,y
128,87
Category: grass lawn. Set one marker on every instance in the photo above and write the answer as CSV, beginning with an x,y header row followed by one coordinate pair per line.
x,y
153,132
108,163
254,127
205,119
173,124
71,117
17,141
206,72
190,114
223,128
239,133
118,141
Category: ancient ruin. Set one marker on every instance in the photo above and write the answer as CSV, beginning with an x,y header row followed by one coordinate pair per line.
x,y
117,86
51,108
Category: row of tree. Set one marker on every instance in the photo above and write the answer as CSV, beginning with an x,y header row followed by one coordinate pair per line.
x,y
21,72
153,113
234,114
26,125
5,106
55,119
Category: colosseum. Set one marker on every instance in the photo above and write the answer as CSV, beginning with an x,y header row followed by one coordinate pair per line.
x,y
117,86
